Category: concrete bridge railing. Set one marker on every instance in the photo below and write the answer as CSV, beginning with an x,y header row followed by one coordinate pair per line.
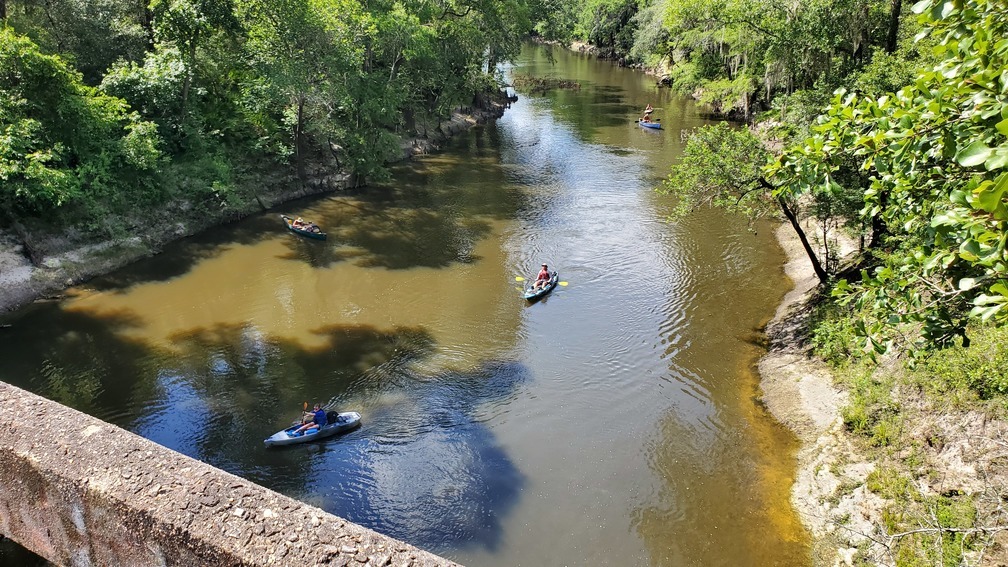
x,y
78,491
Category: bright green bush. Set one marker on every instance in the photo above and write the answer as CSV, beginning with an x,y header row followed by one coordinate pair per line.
x,y
63,142
982,367
871,411
833,334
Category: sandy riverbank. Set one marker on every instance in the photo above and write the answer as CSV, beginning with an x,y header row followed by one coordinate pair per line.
x,y
941,450
800,392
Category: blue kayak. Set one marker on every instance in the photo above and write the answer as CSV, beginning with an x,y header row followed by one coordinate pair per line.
x,y
533,294
309,230
336,423
651,125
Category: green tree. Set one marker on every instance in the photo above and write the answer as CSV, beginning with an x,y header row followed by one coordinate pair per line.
x,y
61,140
723,167
188,24
607,24
936,153
152,88
309,55
739,53
92,35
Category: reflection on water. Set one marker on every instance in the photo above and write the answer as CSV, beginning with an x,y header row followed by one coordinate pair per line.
x,y
619,409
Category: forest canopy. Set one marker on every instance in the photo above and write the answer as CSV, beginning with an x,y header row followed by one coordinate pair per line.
x,y
106,103
856,115
916,174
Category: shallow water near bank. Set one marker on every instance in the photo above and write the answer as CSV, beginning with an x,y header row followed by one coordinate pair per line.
x,y
611,423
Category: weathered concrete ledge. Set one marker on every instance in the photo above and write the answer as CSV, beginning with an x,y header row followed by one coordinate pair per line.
x,y
79,491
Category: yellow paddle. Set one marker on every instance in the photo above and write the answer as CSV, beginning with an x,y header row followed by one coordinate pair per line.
x,y
521,279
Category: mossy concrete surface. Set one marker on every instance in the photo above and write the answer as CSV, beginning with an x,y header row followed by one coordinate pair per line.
x,y
79,491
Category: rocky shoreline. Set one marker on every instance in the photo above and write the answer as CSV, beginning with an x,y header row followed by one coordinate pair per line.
x,y
65,264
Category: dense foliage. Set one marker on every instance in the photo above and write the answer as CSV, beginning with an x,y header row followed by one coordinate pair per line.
x,y
917,175
936,155
62,139
741,56
111,104
114,103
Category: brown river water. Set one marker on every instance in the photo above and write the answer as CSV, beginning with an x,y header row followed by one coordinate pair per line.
x,y
615,422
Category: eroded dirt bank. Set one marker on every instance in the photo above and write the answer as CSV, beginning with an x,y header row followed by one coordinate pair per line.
x,y
961,454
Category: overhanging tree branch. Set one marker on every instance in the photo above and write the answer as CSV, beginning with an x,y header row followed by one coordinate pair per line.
x,y
796,225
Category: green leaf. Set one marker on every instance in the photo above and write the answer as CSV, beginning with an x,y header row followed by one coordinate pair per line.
x,y
986,312
973,154
1003,125
998,160
967,284
969,250
989,197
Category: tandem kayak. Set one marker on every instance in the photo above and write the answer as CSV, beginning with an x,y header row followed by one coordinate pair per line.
x,y
532,294
652,125
337,423
310,231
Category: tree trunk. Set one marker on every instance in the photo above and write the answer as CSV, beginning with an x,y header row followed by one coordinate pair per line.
x,y
298,145
894,16
3,10
491,61
147,21
878,228
190,70
820,272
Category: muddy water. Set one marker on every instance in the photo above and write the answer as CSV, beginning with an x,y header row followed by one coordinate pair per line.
x,y
612,423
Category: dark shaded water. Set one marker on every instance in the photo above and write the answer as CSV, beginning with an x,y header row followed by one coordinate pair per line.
x,y
612,423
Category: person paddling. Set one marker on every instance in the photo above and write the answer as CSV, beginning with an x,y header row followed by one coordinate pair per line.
x,y
318,420
543,279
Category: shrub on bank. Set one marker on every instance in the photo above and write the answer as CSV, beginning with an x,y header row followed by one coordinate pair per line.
x,y
909,417
977,371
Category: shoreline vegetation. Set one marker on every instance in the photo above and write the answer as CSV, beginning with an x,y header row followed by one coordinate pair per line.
x,y
868,123
934,486
64,261
126,125
535,85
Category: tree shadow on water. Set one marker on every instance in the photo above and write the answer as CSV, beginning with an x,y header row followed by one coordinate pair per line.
x,y
181,256
423,467
429,471
75,358
395,228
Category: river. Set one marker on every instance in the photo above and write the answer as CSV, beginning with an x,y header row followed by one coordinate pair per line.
x,y
615,422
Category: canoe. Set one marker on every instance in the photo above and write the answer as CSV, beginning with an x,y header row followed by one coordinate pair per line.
x,y
337,423
302,231
653,125
532,295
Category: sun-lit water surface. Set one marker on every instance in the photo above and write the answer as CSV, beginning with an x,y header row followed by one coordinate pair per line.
x,y
612,423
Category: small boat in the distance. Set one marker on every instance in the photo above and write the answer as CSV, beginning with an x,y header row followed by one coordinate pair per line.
x,y
304,228
533,294
337,422
654,125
